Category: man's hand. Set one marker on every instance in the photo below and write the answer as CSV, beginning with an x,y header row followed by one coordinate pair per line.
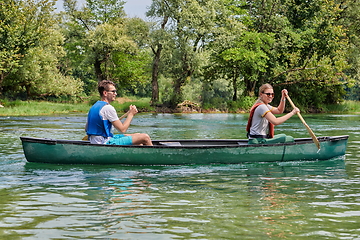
x,y
133,110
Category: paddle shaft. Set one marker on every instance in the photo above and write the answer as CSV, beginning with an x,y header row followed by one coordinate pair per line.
x,y
314,138
123,115
86,138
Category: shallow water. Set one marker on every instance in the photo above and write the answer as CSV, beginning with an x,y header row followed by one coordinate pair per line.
x,y
288,200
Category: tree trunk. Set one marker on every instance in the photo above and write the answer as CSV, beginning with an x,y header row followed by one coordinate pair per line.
x,y
250,87
177,94
98,71
234,83
1,81
155,69
179,82
155,76
235,89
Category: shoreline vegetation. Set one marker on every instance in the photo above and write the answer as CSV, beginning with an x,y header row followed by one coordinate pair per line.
x,y
34,108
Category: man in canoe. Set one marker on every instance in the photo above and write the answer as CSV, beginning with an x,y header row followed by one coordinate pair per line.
x,y
260,127
102,117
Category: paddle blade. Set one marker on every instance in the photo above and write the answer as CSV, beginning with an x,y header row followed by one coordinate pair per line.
x,y
314,138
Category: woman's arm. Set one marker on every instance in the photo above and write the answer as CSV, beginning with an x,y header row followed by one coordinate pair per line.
x,y
277,121
280,109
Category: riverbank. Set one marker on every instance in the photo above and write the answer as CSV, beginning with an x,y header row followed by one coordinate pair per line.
x,y
34,108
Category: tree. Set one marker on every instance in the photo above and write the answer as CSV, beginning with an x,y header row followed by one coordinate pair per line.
x,y
138,66
157,40
246,59
39,74
22,26
349,19
105,40
31,46
310,51
100,31
116,47
190,24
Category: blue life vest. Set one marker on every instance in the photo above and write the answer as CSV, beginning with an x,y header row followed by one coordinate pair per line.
x,y
96,125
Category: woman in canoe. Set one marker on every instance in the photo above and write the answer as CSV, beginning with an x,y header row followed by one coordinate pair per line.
x,y
260,127
102,117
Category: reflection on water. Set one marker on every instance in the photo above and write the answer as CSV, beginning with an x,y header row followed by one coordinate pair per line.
x,y
297,200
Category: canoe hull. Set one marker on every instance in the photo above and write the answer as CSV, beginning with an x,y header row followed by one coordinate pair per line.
x,y
180,152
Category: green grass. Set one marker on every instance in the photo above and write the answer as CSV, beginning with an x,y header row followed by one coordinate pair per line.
x,y
344,107
33,108
142,104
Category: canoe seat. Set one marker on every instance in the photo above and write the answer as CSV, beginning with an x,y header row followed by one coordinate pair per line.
x,y
170,143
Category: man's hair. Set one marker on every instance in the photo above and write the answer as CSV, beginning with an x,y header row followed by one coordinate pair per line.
x,y
103,86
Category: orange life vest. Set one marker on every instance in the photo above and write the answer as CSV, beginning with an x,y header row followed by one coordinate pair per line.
x,y
271,126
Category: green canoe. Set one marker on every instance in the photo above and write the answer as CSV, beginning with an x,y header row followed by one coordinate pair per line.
x,y
177,152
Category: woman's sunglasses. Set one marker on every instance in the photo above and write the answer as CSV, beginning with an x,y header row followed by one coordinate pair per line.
x,y
270,94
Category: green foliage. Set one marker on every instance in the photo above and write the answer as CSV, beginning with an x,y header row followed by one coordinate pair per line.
x,y
142,104
35,44
349,19
309,52
6,102
138,30
243,104
215,103
22,26
39,74
107,38
104,11
309,49
132,72
190,24
106,46
193,91
93,97
166,90
247,58
214,52
216,94
311,97
353,93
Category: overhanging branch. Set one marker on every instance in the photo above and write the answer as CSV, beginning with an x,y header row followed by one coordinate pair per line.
x,y
295,70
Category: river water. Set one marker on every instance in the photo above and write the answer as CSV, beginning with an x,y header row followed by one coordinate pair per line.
x,y
288,200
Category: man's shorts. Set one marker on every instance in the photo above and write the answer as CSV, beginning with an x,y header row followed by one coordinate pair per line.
x,y
120,139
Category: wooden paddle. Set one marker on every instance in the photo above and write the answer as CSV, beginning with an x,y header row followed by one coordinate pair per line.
x,y
86,138
314,138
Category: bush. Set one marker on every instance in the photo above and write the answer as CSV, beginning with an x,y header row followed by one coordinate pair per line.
x,y
242,105
217,103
